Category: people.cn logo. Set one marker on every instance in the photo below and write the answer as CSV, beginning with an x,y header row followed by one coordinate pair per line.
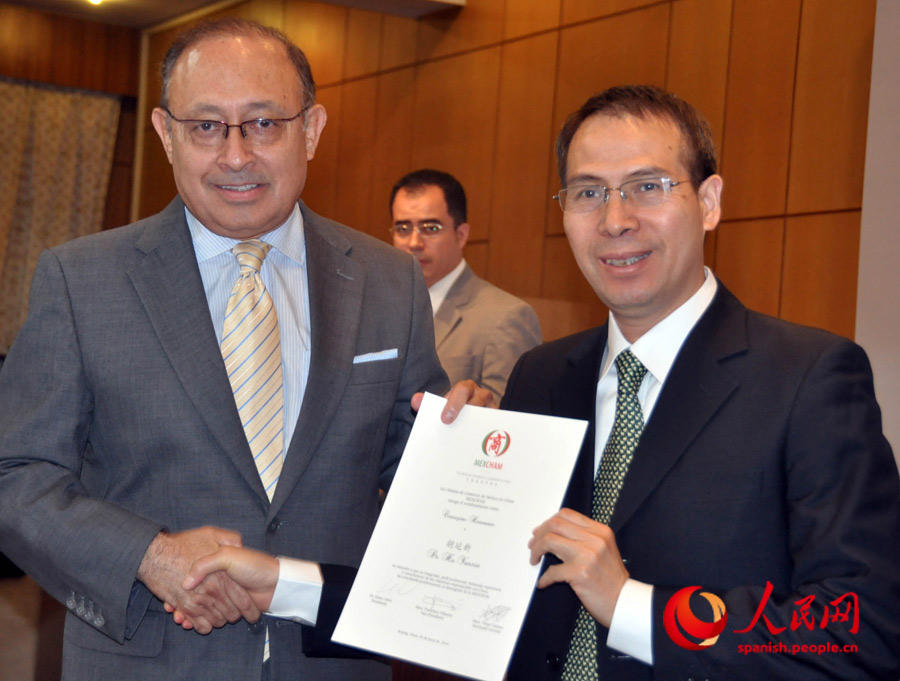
x,y
495,443
681,622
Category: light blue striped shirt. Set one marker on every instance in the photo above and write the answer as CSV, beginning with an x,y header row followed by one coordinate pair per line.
x,y
284,275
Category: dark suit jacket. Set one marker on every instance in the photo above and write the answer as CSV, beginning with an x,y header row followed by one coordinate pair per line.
x,y
763,461
480,331
118,420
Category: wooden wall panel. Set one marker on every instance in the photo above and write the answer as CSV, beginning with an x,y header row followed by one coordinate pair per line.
x,y
399,40
68,52
476,255
833,71
320,192
630,48
159,185
821,265
519,199
363,43
748,261
268,12
697,65
757,138
356,131
392,149
457,134
530,16
478,24
583,10
319,30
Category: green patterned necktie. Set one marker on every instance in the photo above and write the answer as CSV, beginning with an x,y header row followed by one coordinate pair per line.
x,y
581,662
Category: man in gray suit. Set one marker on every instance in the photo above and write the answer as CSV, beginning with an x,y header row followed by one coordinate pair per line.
x,y
479,329
121,440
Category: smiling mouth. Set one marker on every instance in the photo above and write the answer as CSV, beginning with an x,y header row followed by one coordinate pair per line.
x,y
615,262
239,187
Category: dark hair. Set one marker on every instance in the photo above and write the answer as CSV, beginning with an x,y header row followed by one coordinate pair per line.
x,y
454,194
226,28
643,101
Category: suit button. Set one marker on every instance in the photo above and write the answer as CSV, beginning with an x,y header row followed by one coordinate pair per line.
x,y
274,526
256,627
553,661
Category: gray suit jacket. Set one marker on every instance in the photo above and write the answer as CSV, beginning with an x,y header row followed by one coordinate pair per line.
x,y
481,330
118,420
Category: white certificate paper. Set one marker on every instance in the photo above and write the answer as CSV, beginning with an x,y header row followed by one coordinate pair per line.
x,y
446,579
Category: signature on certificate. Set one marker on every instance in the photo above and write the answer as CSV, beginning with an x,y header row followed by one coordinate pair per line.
x,y
435,603
400,587
495,613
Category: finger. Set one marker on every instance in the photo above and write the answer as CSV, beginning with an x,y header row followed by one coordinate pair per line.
x,y
416,401
241,599
461,394
202,567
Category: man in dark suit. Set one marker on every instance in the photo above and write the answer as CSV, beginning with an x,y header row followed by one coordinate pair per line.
x,y
479,330
751,461
123,438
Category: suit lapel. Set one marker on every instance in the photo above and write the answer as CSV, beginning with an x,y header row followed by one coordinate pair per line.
x,y
335,296
574,395
450,312
168,282
696,387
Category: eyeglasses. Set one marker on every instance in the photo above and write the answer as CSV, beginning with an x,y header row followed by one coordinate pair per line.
x,y
258,131
426,230
642,193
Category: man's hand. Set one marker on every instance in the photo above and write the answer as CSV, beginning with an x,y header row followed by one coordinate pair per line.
x,y
463,393
165,565
591,563
254,571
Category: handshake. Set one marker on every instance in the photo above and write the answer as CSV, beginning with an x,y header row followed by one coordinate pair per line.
x,y
206,578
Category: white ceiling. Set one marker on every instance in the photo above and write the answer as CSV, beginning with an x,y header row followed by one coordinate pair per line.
x,y
147,13
134,13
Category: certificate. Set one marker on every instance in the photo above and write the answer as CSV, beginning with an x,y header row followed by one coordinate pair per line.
x,y
446,579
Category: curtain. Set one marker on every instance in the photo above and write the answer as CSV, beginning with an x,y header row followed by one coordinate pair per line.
x,y
54,174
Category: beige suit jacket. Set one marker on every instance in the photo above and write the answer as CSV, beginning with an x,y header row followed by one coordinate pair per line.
x,y
480,331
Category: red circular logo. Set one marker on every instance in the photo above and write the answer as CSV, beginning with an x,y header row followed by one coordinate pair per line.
x,y
679,619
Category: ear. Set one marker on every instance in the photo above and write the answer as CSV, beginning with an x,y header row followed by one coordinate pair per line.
x,y
315,124
710,196
462,234
161,124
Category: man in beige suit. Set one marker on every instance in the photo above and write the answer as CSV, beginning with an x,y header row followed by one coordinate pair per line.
x,y
479,330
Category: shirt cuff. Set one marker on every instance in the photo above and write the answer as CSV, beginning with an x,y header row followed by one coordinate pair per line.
x,y
298,591
631,629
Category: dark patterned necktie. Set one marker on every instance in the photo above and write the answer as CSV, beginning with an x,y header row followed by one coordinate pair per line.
x,y
581,662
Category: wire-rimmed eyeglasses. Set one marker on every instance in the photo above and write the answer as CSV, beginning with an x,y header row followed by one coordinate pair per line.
x,y
427,229
257,131
640,193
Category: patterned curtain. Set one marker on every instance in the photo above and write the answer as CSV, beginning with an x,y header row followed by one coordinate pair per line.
x,y
54,172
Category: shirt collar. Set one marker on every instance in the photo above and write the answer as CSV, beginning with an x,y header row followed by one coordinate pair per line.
x,y
658,348
438,290
287,238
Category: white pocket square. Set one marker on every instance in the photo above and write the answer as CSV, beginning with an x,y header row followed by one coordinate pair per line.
x,y
375,356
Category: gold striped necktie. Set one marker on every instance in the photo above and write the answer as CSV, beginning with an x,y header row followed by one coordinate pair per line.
x,y
251,347
581,662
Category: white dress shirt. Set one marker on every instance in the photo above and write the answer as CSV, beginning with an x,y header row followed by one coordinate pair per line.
x,y
438,290
631,628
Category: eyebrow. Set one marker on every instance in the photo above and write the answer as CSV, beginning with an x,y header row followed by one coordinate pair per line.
x,y
216,111
422,221
644,171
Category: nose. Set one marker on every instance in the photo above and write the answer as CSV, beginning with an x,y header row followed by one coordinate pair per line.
x,y
415,241
617,215
235,152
